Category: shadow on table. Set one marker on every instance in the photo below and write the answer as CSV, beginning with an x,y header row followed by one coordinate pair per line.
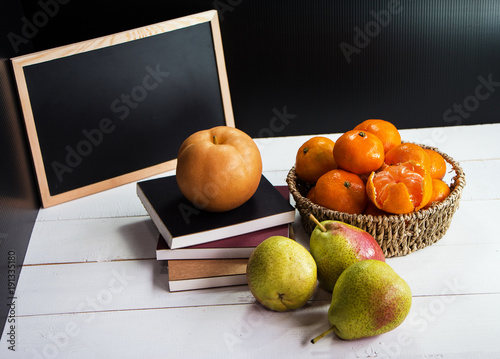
x,y
141,237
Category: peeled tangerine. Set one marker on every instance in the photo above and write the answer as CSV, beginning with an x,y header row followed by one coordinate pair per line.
x,y
401,188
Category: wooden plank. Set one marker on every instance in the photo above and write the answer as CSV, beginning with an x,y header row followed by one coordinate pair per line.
x,y
87,287
221,67
437,327
278,153
108,239
474,222
458,269
462,143
92,240
46,289
479,176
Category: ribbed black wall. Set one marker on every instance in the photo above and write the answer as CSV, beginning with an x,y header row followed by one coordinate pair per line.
x,y
422,58
415,63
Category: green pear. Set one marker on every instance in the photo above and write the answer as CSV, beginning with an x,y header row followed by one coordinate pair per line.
x,y
369,299
336,245
281,274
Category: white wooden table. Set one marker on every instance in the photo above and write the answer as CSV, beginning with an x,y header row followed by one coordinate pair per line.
x,y
91,287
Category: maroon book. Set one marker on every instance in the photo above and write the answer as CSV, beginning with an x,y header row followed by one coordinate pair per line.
x,y
240,246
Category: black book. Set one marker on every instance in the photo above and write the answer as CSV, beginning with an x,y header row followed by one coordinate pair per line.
x,y
182,224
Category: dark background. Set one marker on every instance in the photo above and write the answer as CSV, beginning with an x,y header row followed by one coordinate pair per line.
x,y
416,64
425,57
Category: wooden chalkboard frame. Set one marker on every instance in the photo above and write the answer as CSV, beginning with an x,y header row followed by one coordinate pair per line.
x,y
19,63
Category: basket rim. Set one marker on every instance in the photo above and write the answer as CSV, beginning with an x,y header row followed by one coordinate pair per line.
x,y
457,185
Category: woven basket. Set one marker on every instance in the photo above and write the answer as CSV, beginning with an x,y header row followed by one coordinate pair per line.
x,y
398,235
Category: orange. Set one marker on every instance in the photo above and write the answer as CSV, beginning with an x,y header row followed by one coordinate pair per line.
x,y
408,152
440,191
438,164
401,188
359,152
384,130
315,158
310,195
341,191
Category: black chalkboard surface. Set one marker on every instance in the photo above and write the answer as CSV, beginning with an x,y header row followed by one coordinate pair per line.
x,y
116,109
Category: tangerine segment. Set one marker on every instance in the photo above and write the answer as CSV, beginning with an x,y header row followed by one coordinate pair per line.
x,y
359,152
314,158
341,191
408,152
440,190
384,130
401,188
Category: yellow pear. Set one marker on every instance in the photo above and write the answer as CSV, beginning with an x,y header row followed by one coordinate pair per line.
x,y
281,274
369,299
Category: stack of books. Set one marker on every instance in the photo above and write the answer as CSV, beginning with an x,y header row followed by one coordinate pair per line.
x,y
209,249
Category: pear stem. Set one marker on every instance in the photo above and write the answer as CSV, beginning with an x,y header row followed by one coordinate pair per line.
x,y
216,142
318,223
321,335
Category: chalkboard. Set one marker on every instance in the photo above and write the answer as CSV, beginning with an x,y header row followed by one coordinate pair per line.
x,y
114,110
